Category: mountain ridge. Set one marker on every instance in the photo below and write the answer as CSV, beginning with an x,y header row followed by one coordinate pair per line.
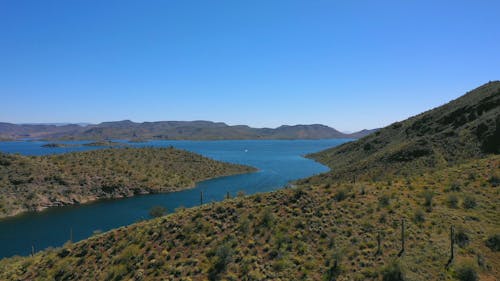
x,y
169,130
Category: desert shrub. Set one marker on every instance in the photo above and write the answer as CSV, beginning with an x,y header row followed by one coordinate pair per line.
x,y
297,194
393,272
340,195
494,181
461,237
221,258
466,273
157,211
493,242
452,201
384,200
244,226
454,187
334,267
428,196
419,216
469,202
267,218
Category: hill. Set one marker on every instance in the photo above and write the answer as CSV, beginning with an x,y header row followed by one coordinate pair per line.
x,y
465,128
38,182
394,226
173,130
315,232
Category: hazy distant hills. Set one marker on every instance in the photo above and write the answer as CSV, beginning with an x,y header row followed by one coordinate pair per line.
x,y
173,130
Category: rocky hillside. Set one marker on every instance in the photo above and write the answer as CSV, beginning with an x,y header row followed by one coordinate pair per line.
x,y
465,128
315,232
418,191
37,182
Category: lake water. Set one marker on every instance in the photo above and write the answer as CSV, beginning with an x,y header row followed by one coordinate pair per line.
x,y
278,161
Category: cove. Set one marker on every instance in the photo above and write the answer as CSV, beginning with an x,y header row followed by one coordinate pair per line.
x,y
278,161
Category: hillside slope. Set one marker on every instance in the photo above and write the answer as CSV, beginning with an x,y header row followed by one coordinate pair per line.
x,y
442,172
465,128
324,232
37,182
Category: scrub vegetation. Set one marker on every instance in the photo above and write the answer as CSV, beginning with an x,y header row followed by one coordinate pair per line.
x,y
417,201
33,183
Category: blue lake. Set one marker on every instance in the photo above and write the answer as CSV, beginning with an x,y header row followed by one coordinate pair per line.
x,y
278,161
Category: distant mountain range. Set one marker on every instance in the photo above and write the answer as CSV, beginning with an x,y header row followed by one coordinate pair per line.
x,y
168,130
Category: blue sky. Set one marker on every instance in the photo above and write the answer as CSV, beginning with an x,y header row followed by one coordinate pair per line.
x,y
347,64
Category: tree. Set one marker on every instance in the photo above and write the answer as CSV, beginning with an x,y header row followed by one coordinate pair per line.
x,y
157,211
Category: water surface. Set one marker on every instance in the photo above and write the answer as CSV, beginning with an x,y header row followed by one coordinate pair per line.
x,y
278,161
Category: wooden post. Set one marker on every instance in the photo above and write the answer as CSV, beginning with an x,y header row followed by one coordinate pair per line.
x,y
201,198
228,196
452,247
402,238
32,250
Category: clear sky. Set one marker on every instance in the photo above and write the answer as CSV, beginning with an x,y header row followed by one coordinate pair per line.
x,y
348,64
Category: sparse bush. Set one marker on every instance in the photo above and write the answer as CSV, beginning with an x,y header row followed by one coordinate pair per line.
x,y
419,216
454,187
341,195
452,201
222,257
466,273
384,200
428,195
393,272
157,211
461,237
469,202
334,267
493,242
267,218
494,181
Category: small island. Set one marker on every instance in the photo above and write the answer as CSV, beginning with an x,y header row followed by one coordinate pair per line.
x,y
34,183
106,143
137,140
58,145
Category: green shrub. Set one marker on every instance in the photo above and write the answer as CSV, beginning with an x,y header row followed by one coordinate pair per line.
x,y
494,181
222,257
267,218
393,272
428,196
466,273
493,242
452,201
469,202
157,211
334,267
340,195
384,200
453,187
462,238
419,216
